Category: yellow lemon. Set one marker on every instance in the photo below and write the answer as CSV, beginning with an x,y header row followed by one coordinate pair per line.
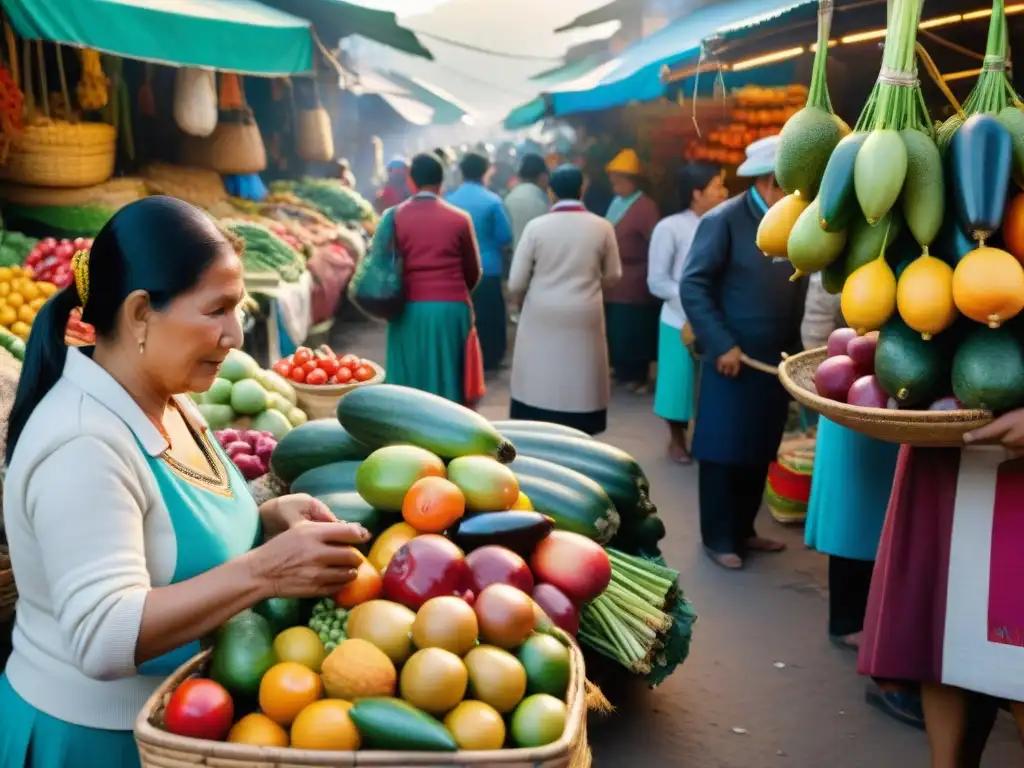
x,y
8,316
5,274
21,330
29,290
15,300
17,271
26,313
47,289
37,304
5,288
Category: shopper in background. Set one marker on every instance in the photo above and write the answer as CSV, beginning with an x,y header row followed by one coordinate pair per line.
x,y
529,198
738,302
631,312
494,236
564,261
427,343
396,189
343,168
700,189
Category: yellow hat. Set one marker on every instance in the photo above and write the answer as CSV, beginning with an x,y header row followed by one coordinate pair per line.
x,y
627,162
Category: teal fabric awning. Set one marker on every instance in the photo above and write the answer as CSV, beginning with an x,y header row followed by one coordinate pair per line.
x,y
241,36
526,114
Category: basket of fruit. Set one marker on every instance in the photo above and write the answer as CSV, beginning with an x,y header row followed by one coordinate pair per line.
x,y
8,591
320,377
865,383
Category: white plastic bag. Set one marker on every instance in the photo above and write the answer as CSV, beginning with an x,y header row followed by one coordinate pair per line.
x,y
195,101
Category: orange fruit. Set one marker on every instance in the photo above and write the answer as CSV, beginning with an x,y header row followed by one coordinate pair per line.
x,y
366,586
29,290
434,680
325,725
286,689
301,645
37,304
389,542
26,314
258,730
21,330
446,622
433,504
8,316
988,286
15,299
475,725
357,669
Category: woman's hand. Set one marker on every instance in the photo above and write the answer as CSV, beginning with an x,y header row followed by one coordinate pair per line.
x,y
1008,429
309,559
280,514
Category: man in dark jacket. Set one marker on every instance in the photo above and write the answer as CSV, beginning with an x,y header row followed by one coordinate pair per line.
x,y
738,303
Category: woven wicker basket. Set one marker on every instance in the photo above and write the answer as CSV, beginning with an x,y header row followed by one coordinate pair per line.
x,y
160,749
115,193
8,592
921,428
321,402
61,154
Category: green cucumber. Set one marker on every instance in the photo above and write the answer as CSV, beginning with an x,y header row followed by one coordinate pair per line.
x,y
386,414
836,200
540,427
618,473
567,478
244,651
572,510
393,724
313,445
924,192
338,476
518,530
349,507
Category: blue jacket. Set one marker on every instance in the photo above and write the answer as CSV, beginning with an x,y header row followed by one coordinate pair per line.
x,y
490,221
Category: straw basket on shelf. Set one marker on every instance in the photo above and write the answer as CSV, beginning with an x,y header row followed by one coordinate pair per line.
x,y
321,402
921,428
160,749
8,592
56,153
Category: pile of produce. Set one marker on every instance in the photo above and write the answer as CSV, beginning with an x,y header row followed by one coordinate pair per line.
x,y
266,252
920,231
329,197
15,248
12,344
245,396
249,449
50,259
21,297
80,220
323,366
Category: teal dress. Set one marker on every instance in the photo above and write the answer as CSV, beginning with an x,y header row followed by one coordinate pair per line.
x,y
213,522
673,392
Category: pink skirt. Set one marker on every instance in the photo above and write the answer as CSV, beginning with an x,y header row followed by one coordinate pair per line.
x,y
947,597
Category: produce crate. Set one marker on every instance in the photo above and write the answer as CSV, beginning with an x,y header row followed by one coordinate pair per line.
x,y
321,402
8,592
920,428
160,749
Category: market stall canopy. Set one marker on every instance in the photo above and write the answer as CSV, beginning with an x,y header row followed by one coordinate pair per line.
x,y
416,101
336,19
636,73
232,35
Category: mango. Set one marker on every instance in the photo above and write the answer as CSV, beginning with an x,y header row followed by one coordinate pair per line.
x,y
776,225
810,247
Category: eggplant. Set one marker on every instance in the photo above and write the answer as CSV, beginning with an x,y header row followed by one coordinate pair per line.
x,y
980,163
518,530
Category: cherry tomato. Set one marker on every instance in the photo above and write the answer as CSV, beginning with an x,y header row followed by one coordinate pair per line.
x,y
310,366
303,355
298,374
344,375
283,368
317,377
363,373
328,365
349,361
200,709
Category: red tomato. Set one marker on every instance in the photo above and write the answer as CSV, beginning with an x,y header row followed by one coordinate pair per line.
x,y
328,365
303,355
363,373
200,709
317,377
350,361
298,374
344,375
283,368
310,365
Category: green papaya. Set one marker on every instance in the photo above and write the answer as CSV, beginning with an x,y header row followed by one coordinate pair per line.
x,y
879,172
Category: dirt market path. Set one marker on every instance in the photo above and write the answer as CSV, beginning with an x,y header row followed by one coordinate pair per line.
x,y
808,714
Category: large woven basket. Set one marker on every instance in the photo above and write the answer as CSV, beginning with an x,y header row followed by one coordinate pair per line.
x,y
921,428
61,154
321,402
160,749
8,592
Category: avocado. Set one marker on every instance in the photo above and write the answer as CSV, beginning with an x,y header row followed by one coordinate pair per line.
x,y
988,370
913,371
280,613
244,651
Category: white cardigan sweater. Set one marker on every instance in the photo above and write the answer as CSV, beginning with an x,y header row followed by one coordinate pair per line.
x,y
89,536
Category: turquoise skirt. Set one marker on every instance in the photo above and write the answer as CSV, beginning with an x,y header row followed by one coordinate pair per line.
x,y
673,394
30,739
427,348
850,491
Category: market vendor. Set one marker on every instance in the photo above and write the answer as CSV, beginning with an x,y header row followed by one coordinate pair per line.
x,y
131,534
739,302
631,311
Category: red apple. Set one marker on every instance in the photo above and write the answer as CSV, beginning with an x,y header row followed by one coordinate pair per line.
x,y
838,340
835,376
862,351
868,393
498,565
427,566
576,565
559,608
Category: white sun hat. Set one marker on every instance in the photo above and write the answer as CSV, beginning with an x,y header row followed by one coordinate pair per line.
x,y
760,158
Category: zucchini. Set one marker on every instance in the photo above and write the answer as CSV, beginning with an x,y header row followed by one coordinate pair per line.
x,y
337,477
541,427
393,724
313,445
567,478
518,530
589,514
618,473
386,414
980,163
836,200
349,507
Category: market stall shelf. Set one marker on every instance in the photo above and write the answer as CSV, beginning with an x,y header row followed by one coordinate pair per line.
x,y
920,428
160,749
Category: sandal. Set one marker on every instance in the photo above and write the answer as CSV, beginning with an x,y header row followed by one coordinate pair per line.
x,y
759,544
730,561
